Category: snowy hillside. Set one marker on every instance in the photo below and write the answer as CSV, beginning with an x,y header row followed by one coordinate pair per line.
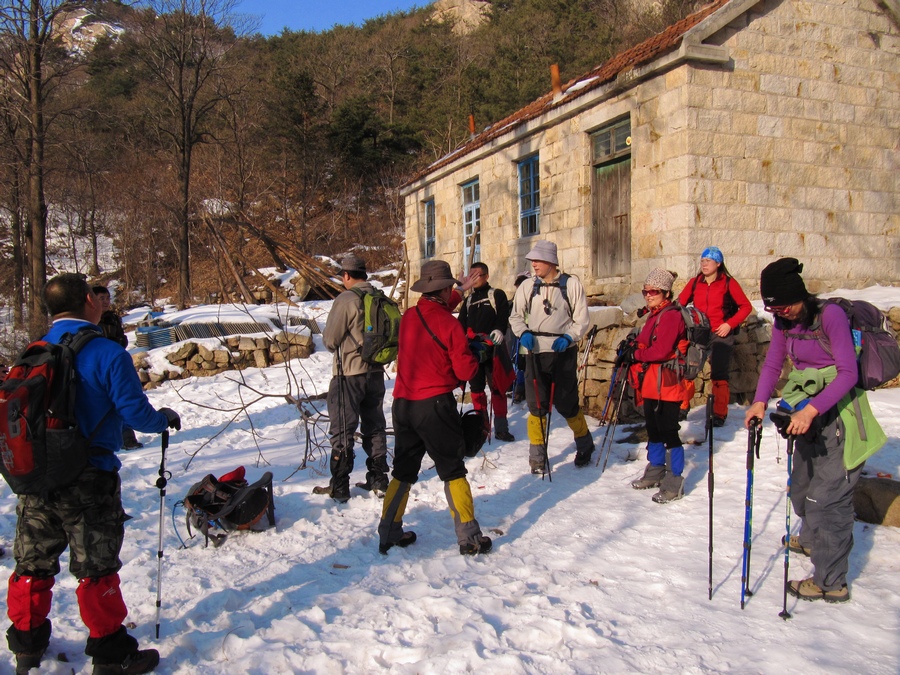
x,y
587,575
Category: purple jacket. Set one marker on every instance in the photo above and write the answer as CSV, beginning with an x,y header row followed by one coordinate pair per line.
x,y
810,353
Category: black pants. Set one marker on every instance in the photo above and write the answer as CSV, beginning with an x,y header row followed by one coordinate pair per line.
x,y
552,368
720,349
431,426
662,422
356,400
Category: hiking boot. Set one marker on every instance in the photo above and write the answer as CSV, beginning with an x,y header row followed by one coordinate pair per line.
x,y
379,484
582,459
341,496
407,538
519,396
671,488
652,477
794,546
139,661
718,421
484,545
536,467
136,445
25,662
504,436
584,448
807,589
683,413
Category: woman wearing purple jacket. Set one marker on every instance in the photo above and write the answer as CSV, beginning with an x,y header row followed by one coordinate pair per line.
x,y
821,486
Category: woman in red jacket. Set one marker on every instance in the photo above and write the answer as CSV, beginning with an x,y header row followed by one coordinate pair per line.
x,y
715,293
654,379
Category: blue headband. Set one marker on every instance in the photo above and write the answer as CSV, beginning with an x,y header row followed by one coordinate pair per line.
x,y
713,253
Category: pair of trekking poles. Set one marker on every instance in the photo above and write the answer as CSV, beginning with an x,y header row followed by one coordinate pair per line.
x,y
754,439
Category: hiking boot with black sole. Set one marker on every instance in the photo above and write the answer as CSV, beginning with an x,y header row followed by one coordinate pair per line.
x,y
141,661
582,459
504,436
340,496
25,662
408,537
794,546
807,589
484,545
718,421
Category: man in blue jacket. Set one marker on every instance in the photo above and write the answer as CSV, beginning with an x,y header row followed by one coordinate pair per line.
x,y
87,515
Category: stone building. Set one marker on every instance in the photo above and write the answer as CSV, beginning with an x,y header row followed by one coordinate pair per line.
x,y
766,127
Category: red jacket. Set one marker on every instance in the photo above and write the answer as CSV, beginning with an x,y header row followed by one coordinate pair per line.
x,y
424,368
710,298
657,343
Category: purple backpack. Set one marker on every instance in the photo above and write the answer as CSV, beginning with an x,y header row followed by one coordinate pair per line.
x,y
877,351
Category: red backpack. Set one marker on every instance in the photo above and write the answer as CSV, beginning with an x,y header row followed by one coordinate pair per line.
x,y
41,446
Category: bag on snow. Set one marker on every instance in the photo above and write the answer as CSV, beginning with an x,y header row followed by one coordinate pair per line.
x,y
877,351
218,506
475,430
381,327
41,446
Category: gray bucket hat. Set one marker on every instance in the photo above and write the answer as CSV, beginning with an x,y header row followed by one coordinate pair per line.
x,y
435,276
544,251
353,263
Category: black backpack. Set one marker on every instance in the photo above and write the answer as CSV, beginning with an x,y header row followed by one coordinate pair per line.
x,y
41,446
219,506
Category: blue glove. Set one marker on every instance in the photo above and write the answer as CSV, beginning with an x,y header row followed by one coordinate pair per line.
x,y
527,340
562,343
483,352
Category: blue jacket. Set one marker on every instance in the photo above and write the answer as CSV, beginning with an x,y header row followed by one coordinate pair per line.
x,y
107,381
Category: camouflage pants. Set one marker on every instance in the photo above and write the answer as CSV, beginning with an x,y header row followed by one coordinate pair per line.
x,y
87,517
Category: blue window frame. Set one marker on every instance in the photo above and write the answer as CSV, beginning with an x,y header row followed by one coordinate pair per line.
x,y
529,196
429,229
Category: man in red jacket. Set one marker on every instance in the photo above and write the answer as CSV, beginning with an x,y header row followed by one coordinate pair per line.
x,y
434,358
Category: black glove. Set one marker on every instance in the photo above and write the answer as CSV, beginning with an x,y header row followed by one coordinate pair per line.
x,y
481,350
172,417
625,351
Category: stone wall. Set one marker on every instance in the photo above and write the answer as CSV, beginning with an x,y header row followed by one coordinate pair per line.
x,y
192,359
751,345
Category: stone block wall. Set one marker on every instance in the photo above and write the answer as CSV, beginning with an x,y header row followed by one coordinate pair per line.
x,y
193,359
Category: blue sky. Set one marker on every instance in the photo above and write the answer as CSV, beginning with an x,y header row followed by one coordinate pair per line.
x,y
319,15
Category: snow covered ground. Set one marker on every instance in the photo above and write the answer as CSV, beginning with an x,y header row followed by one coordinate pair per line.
x,y
587,575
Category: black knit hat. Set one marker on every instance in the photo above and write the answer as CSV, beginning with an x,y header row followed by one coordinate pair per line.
x,y
780,283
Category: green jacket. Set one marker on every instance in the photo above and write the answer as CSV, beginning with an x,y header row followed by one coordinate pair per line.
x,y
864,436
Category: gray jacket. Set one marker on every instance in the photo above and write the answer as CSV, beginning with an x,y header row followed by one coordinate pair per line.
x,y
528,313
343,334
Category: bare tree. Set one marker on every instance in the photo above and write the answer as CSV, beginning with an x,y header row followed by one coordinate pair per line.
x,y
185,46
34,61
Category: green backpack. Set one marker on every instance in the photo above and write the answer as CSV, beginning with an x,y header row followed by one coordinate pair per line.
x,y
381,327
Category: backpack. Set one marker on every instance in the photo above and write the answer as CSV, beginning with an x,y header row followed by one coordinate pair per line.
x,y
877,351
475,427
218,506
691,357
381,327
41,446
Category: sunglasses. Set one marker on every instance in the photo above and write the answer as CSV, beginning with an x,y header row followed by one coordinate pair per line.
x,y
651,292
780,309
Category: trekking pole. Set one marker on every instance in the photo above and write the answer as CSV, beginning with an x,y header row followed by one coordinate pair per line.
x,y
754,438
610,434
161,484
784,614
710,484
584,359
545,431
609,395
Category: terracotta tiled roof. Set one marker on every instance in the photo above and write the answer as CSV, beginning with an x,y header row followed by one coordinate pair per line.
x,y
640,54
